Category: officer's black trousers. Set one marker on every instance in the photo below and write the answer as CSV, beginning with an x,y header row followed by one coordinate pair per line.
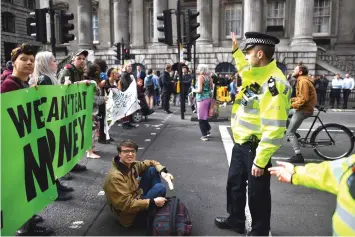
x,y
166,101
259,196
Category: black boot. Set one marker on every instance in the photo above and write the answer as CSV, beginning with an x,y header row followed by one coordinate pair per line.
x,y
35,230
78,168
62,187
298,158
36,219
67,176
63,196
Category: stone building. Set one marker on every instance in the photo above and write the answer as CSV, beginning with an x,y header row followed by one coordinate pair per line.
x,y
15,19
321,33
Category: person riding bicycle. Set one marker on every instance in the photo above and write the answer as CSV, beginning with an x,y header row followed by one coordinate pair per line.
x,y
301,108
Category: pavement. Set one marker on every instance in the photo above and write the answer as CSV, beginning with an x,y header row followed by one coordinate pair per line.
x,y
200,170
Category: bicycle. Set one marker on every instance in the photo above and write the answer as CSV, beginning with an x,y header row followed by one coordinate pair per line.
x,y
321,137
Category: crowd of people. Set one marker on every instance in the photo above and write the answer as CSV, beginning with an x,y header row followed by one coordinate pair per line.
x,y
260,111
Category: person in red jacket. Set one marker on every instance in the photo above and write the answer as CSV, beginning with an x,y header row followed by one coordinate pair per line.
x,y
23,65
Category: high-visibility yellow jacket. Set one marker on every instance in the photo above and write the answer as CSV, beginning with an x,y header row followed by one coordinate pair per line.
x,y
337,177
261,107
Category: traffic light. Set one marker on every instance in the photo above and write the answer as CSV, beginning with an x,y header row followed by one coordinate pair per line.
x,y
65,27
187,52
166,27
40,25
126,53
190,26
118,53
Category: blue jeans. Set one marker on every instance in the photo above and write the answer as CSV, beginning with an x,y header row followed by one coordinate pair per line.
x,y
151,184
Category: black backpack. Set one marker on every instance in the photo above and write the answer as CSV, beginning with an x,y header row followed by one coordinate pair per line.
x,y
170,220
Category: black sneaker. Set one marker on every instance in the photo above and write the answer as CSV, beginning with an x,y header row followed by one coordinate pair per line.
x,y
78,168
298,158
35,230
103,141
222,223
67,176
63,196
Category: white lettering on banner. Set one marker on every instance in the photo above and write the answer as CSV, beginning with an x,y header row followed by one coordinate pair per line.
x,y
121,104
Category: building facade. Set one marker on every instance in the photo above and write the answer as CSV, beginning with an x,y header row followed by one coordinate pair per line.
x,y
320,33
15,25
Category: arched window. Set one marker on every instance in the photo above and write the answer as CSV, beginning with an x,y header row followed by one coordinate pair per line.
x,y
225,68
30,29
31,4
8,22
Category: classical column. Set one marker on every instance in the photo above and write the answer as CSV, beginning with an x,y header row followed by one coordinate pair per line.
x,y
215,22
303,23
85,33
205,18
158,7
120,17
138,23
252,15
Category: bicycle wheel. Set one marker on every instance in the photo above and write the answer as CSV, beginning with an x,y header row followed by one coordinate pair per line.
x,y
333,141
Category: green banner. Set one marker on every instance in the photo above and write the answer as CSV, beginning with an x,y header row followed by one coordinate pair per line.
x,y
44,133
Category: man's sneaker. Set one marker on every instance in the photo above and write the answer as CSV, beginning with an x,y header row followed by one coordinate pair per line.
x,y
222,223
208,134
36,219
67,176
298,158
204,138
63,196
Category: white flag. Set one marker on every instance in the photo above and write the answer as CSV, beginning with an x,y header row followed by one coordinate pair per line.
x,y
121,104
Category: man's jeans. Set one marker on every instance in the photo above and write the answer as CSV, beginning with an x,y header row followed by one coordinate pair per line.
x,y
152,188
295,122
151,184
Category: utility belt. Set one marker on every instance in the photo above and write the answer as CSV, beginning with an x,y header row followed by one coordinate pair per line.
x,y
253,142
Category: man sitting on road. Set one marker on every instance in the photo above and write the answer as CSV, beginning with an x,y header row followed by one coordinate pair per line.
x,y
302,107
133,187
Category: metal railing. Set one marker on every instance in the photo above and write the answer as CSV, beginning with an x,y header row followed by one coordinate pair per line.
x,y
351,101
336,61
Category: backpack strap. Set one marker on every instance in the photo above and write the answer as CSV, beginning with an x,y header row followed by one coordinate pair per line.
x,y
172,225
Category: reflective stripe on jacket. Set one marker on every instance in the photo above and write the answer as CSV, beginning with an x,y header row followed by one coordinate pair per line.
x,y
337,177
261,107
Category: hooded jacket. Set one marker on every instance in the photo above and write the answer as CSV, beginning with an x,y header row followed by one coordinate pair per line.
x,y
123,192
306,95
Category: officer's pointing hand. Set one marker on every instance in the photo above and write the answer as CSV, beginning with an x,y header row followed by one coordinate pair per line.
x,y
234,41
283,172
257,172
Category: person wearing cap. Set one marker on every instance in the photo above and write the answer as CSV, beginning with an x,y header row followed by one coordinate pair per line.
x,y
23,59
259,117
74,71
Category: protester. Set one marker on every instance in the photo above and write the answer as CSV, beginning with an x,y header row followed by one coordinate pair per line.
x,y
129,196
336,177
126,79
303,105
93,74
149,88
203,97
74,70
23,65
103,68
233,89
140,73
45,74
258,125
7,72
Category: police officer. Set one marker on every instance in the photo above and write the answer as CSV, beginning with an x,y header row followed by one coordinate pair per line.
x,y
259,117
337,177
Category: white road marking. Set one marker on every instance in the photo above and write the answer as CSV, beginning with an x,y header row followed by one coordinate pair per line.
x,y
158,128
140,148
76,225
228,146
101,193
153,134
147,140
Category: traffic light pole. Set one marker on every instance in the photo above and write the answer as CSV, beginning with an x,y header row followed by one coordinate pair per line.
x,y
51,18
194,79
179,41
